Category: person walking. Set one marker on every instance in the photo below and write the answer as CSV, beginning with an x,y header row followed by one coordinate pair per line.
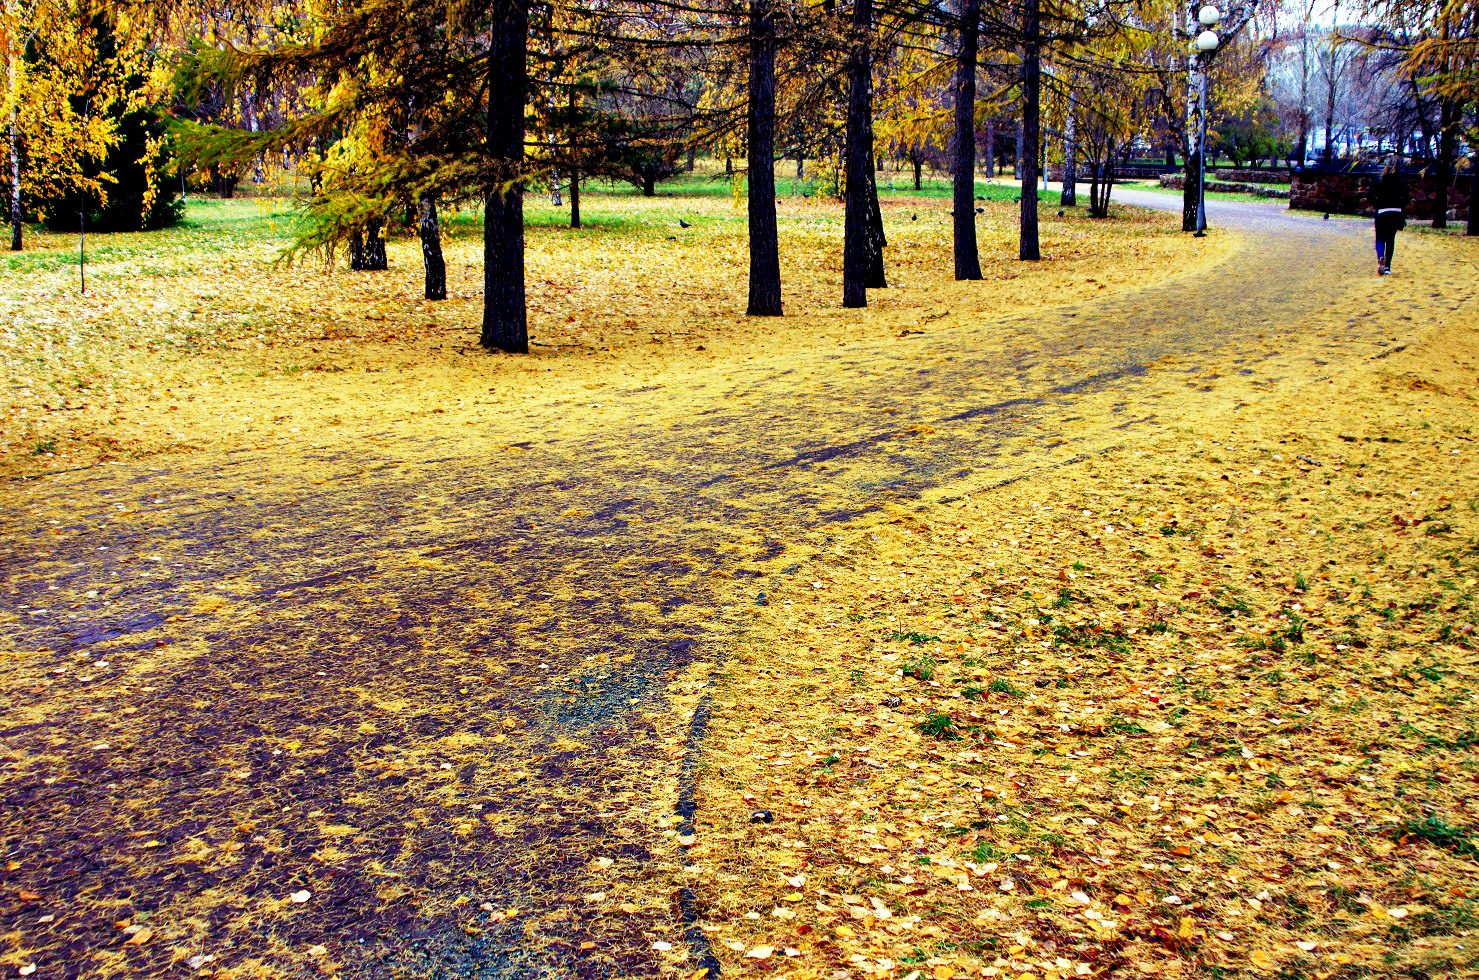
x,y
1389,197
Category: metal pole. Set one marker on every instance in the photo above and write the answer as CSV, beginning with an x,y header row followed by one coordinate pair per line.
x,y
1202,155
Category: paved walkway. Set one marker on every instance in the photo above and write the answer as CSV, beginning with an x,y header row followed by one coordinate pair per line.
x,y
426,677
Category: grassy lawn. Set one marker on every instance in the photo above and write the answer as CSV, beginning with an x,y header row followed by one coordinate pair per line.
x,y
1155,186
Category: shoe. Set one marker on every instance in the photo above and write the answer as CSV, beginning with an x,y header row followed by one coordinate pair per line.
x,y
1384,271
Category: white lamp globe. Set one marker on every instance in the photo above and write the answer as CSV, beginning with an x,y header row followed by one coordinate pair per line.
x,y
1207,41
1209,15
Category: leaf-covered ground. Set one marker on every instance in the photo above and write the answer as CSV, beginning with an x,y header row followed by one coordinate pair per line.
x,y
194,339
1203,707
420,633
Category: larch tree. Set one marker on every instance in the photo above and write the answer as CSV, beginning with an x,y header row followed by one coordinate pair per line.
x,y
764,237
75,72
1028,247
963,215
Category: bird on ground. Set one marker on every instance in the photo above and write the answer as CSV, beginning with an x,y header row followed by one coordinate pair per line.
x,y
913,217
1060,214
683,224
980,210
1327,216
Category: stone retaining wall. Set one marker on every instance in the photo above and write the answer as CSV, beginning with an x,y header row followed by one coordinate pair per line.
x,y
1177,181
1253,176
1345,193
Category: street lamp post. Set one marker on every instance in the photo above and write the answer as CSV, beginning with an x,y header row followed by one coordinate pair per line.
x,y
1206,42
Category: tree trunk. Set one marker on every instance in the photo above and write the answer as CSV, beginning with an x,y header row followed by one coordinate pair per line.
x,y
692,159
1473,223
1017,163
431,248
1106,188
1029,249
991,148
505,310
1070,158
859,163
649,186
800,166
375,257
1191,172
765,261
575,170
877,279
918,173
967,254
357,251
1329,153
15,182
1447,148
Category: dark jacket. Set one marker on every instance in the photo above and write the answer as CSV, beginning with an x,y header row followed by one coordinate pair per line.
x,y
1389,191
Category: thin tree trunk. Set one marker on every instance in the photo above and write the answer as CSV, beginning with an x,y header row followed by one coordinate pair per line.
x,y
991,148
356,251
1190,185
575,170
1473,224
505,310
1330,113
918,173
1070,158
1108,186
375,257
1017,163
1304,93
15,183
765,261
1447,140
800,166
431,248
15,149
877,277
857,217
967,254
1029,249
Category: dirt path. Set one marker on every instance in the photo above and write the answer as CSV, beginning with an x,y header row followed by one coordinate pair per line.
x,y
441,680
